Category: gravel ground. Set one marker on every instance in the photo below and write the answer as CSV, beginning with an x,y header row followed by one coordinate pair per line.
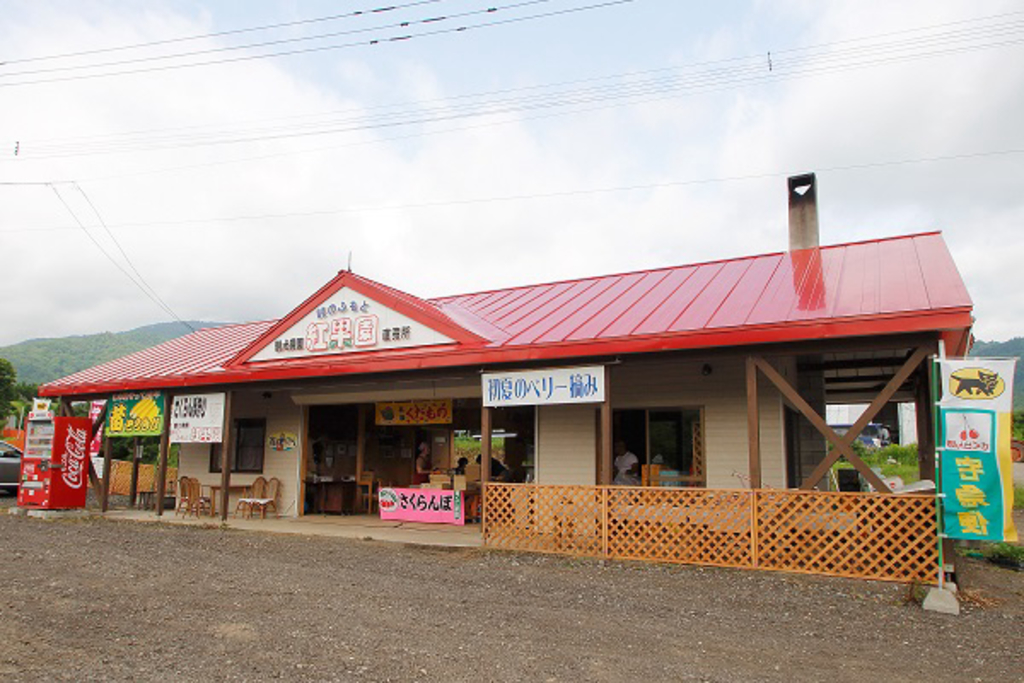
x,y
98,599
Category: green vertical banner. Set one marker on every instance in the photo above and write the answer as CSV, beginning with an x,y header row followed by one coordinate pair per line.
x,y
975,421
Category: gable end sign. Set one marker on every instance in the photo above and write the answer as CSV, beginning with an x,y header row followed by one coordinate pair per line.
x,y
198,418
348,322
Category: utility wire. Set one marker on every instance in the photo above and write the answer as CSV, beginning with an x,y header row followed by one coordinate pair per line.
x,y
288,53
548,195
270,43
124,255
150,295
614,90
630,75
219,34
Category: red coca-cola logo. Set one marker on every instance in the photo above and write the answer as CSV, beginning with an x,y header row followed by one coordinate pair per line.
x,y
74,458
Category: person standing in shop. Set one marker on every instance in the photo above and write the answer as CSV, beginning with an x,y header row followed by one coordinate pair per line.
x,y
422,475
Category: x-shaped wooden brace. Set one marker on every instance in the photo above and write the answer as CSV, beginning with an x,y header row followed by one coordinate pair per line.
x,y
843,445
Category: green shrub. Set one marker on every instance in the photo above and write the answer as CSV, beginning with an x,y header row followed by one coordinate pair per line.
x,y
904,455
1004,551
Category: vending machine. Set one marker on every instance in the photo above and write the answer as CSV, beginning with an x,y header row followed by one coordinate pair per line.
x,y
55,466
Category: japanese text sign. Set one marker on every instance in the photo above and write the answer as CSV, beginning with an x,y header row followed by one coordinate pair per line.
x,y
544,387
136,414
348,322
425,412
435,506
197,418
975,423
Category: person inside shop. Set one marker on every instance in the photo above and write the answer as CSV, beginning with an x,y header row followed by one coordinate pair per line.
x,y
498,470
460,467
422,475
627,466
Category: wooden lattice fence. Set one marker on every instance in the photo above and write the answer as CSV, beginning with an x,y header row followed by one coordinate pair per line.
x,y
121,478
861,535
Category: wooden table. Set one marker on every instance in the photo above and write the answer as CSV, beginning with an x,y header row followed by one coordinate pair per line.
x,y
215,489
337,497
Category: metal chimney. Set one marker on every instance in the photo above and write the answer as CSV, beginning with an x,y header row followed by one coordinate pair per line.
x,y
803,212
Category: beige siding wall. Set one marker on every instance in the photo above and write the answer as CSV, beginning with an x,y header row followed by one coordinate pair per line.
x,y
723,396
282,415
566,444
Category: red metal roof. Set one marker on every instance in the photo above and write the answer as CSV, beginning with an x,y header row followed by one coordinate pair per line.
x,y
885,286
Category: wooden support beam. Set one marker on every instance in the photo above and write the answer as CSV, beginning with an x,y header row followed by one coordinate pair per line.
x,y
843,445
133,489
925,424
97,425
486,425
165,445
225,458
300,502
606,430
753,425
361,455
108,447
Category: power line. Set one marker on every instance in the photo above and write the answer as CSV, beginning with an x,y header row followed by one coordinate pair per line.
x,y
631,74
741,71
269,43
151,295
288,53
220,34
124,255
551,195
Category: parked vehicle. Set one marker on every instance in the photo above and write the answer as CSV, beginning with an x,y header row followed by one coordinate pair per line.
x,y
10,466
874,435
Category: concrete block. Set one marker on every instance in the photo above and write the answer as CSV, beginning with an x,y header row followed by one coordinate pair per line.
x,y
941,600
58,514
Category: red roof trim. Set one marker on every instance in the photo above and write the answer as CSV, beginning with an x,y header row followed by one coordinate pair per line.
x,y
950,319
423,312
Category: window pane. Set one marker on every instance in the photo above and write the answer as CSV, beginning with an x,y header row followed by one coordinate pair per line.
x,y
249,451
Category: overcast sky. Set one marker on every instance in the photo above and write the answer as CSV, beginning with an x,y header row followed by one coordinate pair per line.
x,y
549,144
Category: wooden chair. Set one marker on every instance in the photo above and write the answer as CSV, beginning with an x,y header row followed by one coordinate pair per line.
x,y
269,499
257,491
367,482
199,501
184,499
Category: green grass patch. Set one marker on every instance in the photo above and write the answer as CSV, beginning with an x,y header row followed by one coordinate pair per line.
x,y
894,461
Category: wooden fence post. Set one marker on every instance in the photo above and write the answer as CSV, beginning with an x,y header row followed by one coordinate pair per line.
x,y
754,527
604,521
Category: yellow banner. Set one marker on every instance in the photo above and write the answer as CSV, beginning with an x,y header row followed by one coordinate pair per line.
x,y
426,412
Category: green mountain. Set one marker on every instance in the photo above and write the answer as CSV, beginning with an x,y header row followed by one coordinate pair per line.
x,y
1013,348
43,360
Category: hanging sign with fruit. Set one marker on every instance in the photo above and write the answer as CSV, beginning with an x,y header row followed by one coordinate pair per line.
x,y
136,414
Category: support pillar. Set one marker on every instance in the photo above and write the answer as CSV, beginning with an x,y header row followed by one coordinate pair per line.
x,y
486,425
753,426
105,484
361,455
133,491
165,444
225,458
925,424
606,476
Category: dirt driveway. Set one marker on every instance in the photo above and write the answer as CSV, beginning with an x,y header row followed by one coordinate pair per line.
x,y
104,600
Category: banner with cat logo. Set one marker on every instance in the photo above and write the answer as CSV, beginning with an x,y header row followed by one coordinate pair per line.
x,y
975,425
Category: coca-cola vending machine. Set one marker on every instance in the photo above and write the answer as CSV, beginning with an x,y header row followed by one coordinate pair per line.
x,y
54,466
